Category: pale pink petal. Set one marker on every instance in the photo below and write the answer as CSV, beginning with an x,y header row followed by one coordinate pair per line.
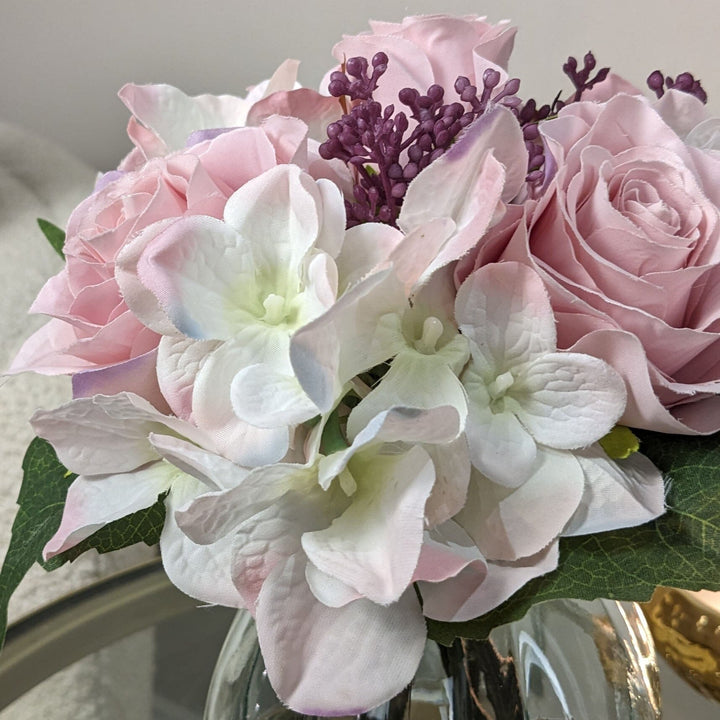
x,y
349,652
93,502
329,590
179,360
137,375
45,351
467,596
446,551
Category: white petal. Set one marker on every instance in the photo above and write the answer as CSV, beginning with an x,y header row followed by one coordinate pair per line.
x,y
456,186
374,545
199,269
214,471
499,445
332,229
272,535
278,213
511,524
504,309
361,330
452,475
107,433
267,398
201,571
568,400
243,443
329,590
618,494
350,652
216,514
94,502
400,424
366,248
414,380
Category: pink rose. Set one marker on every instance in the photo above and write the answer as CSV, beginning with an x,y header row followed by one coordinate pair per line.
x,y
428,49
92,334
627,239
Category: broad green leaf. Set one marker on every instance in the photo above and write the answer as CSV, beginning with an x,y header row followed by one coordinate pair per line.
x,y
680,549
54,235
41,500
142,526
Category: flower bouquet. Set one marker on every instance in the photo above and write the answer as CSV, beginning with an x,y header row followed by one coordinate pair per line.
x,y
391,360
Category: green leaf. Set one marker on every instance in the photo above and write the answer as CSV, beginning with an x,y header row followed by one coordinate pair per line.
x,y
680,549
333,438
54,235
41,500
142,526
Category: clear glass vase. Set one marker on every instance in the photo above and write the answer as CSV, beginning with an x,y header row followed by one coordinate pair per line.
x,y
566,660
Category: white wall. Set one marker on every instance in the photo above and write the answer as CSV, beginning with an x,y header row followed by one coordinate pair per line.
x,y
62,61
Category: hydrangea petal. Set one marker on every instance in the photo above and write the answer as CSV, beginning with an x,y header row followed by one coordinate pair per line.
x,y
498,519
374,545
619,493
568,400
338,646
93,502
200,571
504,309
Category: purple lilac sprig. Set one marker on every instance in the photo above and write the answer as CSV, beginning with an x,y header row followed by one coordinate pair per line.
x,y
530,115
684,82
385,152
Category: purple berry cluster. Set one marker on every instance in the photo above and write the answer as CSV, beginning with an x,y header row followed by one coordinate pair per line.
x,y
685,82
379,144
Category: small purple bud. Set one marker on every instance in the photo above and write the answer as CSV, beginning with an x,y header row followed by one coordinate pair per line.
x,y
410,171
491,78
512,86
435,93
379,58
468,93
435,154
589,61
398,190
425,142
415,153
408,96
442,139
356,66
385,214
395,171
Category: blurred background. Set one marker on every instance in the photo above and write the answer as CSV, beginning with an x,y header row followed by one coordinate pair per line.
x,y
62,62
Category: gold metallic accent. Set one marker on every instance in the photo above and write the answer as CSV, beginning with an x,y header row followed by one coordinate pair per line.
x,y
686,629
